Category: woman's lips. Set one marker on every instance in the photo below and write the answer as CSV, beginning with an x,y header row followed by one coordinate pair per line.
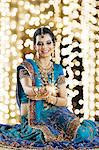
x,y
45,52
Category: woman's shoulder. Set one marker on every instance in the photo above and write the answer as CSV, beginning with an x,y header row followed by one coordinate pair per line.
x,y
26,63
59,69
58,66
29,60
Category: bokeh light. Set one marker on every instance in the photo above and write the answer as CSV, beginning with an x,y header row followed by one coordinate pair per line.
x,y
79,46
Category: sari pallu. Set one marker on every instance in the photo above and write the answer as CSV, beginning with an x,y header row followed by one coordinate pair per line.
x,y
55,127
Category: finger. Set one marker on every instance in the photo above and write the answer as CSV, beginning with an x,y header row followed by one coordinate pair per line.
x,y
56,91
46,93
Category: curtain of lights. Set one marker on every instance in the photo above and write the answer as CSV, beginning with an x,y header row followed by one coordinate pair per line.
x,y
75,25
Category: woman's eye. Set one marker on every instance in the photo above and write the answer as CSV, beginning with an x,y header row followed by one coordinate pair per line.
x,y
39,44
48,42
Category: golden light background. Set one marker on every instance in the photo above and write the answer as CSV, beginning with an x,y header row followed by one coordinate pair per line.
x,y
68,19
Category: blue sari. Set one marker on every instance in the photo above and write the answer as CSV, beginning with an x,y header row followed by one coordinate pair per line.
x,y
54,127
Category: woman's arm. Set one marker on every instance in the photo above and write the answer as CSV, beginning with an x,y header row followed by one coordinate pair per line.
x,y
30,90
26,83
33,92
61,99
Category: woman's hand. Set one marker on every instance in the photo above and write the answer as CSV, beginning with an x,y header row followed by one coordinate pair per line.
x,y
39,93
44,97
51,99
52,89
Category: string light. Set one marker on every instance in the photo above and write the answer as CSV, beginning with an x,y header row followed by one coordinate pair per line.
x,y
58,22
8,54
68,20
81,32
88,51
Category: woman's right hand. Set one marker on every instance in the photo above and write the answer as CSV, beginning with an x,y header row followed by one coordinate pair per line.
x,y
40,93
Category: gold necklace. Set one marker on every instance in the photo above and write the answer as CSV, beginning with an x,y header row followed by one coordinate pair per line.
x,y
45,72
44,68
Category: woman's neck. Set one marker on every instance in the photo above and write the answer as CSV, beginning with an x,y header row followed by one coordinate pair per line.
x,y
44,61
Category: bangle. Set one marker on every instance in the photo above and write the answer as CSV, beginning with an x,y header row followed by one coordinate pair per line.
x,y
34,90
56,101
38,91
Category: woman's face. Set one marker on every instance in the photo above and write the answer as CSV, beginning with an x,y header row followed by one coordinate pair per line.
x,y
44,45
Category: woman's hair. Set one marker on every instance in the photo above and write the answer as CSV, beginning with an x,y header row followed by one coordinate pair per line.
x,y
43,30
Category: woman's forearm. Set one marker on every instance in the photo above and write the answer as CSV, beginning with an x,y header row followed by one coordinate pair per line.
x,y
32,90
28,90
58,101
35,93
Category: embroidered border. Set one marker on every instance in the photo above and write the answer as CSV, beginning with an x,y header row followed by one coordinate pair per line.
x,y
46,131
61,80
32,104
72,128
30,70
23,73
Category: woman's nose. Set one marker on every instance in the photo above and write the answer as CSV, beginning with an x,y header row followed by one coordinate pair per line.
x,y
44,46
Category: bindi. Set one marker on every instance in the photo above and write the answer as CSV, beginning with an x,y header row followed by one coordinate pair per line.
x,y
42,36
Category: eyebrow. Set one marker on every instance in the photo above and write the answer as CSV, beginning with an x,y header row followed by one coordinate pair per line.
x,y
46,41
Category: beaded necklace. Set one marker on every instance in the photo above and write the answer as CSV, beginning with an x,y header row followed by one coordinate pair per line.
x,y
46,73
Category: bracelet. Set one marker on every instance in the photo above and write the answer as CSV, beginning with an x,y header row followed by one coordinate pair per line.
x,y
56,101
34,91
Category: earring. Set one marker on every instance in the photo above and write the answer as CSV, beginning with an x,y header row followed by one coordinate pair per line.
x,y
37,54
53,55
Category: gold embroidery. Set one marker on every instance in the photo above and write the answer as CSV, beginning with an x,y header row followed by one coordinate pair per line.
x,y
46,131
72,129
23,73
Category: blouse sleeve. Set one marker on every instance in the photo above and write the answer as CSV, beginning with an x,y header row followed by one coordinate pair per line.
x,y
61,77
23,73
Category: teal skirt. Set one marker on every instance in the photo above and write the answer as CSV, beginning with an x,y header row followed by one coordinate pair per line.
x,y
58,129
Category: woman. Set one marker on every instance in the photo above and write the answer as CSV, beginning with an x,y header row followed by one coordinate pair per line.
x,y
42,99
50,93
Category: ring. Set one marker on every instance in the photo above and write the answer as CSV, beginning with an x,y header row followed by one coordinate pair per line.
x,y
51,102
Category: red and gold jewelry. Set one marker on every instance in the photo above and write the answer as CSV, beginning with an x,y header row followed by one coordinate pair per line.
x,y
56,101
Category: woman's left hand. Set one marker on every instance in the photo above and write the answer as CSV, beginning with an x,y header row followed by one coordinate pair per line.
x,y
52,89
51,99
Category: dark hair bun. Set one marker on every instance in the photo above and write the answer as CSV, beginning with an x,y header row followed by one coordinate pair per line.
x,y
43,30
